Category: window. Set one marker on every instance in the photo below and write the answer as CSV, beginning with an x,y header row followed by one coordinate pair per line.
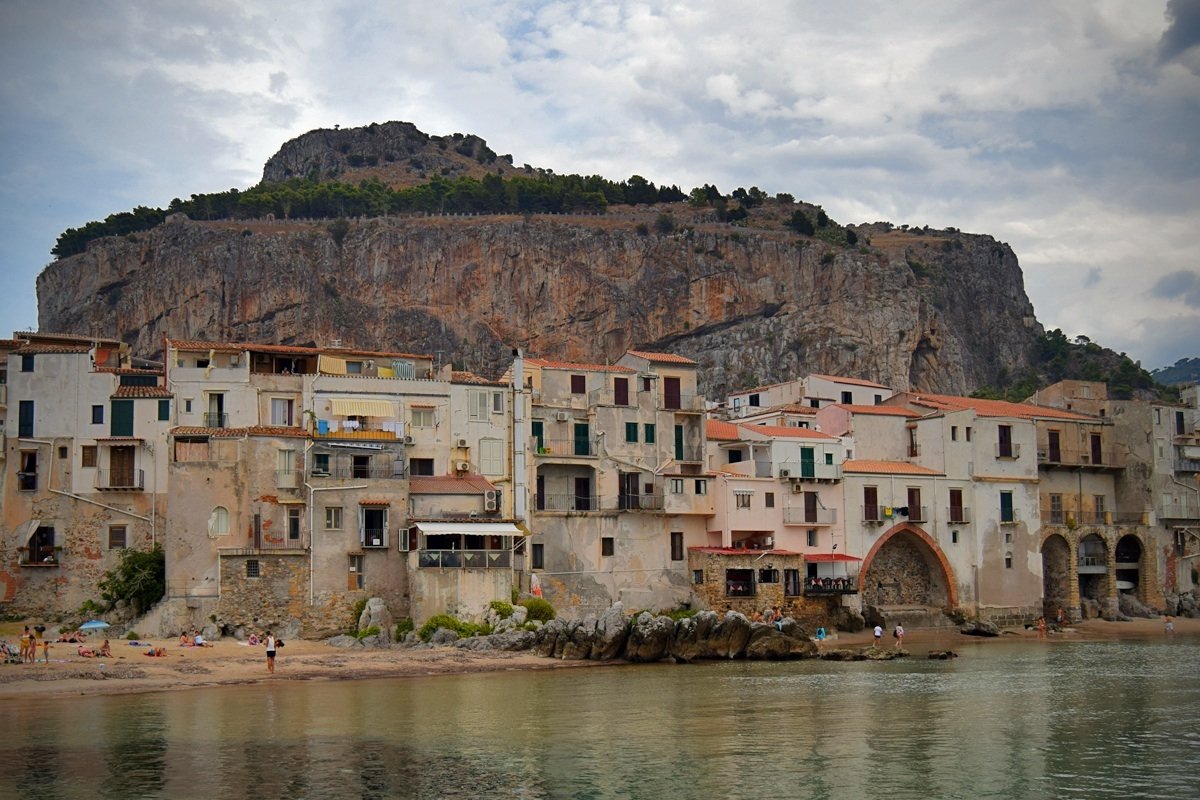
x,y
63,451
1008,537
538,558
27,475
1008,560
97,415
479,403
754,400
871,504
373,526
848,398
1099,504
26,363
768,575
320,464
357,567
1004,443
769,499
607,545
737,403
420,466
293,524
218,521
677,545
956,506
1056,509
497,402
281,411
697,576
422,417
187,406
537,430
491,456
645,384
87,455
968,432
121,419
1158,416
811,541
829,459
814,403
648,433
116,537
676,485
741,499
915,512
953,537
333,518
912,443
25,418
1006,507
631,432
578,384
1180,429
878,399
739,583
252,568
701,487
354,367
954,433
164,410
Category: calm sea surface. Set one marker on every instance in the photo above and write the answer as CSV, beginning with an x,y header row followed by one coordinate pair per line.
x,y
1010,720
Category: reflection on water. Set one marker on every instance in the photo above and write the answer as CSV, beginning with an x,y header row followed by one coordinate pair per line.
x,y
1015,720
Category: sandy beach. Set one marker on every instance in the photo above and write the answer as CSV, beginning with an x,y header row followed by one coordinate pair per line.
x,y
229,662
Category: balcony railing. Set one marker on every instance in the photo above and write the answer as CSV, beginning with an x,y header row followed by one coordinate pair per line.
x,y
214,419
607,397
3,394
288,479
958,516
799,515
1012,450
1079,458
375,537
557,448
464,559
121,479
689,454
565,502
337,429
1179,511
640,502
686,402
816,587
874,515
1187,465
916,514
800,471
27,481
395,470
1011,517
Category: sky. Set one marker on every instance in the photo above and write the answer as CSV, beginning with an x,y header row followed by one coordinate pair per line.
x,y
1069,130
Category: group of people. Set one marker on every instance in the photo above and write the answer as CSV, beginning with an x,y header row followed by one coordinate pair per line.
x,y
103,651
897,634
193,639
31,641
770,616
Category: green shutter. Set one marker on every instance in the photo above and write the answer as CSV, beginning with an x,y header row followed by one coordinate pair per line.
x,y
122,418
164,410
1006,507
649,437
536,429
631,432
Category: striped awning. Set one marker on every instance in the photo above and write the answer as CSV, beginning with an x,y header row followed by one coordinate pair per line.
x,y
361,407
331,365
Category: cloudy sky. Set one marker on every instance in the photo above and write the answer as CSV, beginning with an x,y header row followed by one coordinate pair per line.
x,y
1069,129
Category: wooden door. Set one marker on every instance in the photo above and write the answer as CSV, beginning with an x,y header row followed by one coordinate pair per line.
x,y
671,395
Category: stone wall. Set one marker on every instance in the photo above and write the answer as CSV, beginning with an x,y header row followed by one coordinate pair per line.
x,y
812,612
278,599
900,575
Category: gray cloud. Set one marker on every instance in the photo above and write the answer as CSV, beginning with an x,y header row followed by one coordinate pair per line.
x,y
1183,32
1183,286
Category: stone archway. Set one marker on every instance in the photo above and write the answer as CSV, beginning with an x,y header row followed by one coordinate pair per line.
x,y
1056,575
1096,594
906,568
1128,556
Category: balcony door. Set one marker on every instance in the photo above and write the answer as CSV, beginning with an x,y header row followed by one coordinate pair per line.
x,y
956,506
120,465
671,395
1097,450
808,464
1054,446
583,494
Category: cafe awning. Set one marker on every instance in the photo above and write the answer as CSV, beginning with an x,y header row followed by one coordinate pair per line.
x,y
361,407
470,528
830,557
331,365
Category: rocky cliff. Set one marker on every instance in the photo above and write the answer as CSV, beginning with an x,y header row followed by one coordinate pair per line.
x,y
940,311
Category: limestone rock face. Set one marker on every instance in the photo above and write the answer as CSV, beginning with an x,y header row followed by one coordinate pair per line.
x,y
612,630
650,638
376,614
940,311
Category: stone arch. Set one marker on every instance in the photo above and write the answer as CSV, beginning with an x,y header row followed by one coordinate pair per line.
x,y
1128,555
907,548
1096,592
1056,574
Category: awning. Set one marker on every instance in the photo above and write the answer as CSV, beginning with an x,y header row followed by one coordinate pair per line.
x,y
375,501
470,528
290,501
331,365
353,445
361,407
830,557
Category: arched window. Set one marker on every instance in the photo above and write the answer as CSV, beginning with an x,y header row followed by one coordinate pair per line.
x,y
218,521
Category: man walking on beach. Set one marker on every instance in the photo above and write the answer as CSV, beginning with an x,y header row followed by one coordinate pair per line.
x,y
878,634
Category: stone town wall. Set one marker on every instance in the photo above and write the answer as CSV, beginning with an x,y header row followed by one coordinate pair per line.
x,y
900,575
278,598
810,612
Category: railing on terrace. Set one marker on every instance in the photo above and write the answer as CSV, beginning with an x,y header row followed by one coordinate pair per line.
x,y
130,480
27,481
916,514
815,587
1079,458
551,448
566,502
796,470
958,516
214,419
874,515
1179,511
334,429
288,479
607,397
1011,517
692,454
640,502
686,402
798,515
1187,465
1012,450
464,559
1092,560
361,472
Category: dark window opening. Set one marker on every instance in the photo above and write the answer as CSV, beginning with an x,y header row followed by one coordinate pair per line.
x,y
739,583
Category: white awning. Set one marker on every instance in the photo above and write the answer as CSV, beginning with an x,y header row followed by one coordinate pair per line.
x,y
361,407
470,528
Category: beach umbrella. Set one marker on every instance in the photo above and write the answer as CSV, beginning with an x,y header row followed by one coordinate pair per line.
x,y
93,625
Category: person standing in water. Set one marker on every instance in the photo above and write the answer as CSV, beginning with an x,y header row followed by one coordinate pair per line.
x,y
270,639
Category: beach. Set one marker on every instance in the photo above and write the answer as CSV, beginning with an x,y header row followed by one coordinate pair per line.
x,y
229,662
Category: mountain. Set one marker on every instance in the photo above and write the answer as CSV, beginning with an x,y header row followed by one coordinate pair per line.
x,y
1185,371
756,289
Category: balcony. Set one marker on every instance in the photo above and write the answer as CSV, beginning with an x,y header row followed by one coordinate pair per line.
x,y
390,470
690,454
811,516
47,556
566,503
958,516
27,481
607,397
375,538
1010,517
1049,457
3,394
1010,451
288,479
684,402
569,448
129,480
640,502
374,431
916,513
464,559
272,541
1187,465
1187,511
805,471
874,515
826,587
216,419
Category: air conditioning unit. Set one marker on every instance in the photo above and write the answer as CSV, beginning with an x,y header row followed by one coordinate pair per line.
x,y
785,473
462,466
562,416
408,440
490,502
462,442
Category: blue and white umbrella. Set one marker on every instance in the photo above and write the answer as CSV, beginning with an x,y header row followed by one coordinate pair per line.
x,y
93,625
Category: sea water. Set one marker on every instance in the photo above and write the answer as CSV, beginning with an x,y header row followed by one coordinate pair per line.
x,y
1008,720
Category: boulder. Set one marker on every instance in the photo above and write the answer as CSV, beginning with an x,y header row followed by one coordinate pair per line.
x,y
942,655
578,646
729,637
884,653
511,641
768,643
376,614
443,636
612,631
843,654
691,636
548,636
650,638
343,641
979,627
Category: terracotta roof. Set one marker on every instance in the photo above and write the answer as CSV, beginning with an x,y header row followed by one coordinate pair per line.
x,y
189,345
127,370
36,349
119,440
794,408
462,376
548,364
719,431
850,381
143,391
830,557
450,484
237,433
66,337
734,551
886,467
661,358
993,408
375,501
791,433
882,411
741,392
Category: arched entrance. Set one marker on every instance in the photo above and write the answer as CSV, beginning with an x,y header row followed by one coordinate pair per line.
x,y
1128,555
1095,594
906,569
1056,575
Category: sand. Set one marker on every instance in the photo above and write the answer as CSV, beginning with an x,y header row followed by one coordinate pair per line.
x,y
229,662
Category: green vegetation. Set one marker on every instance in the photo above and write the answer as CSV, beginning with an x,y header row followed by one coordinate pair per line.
x,y
139,579
545,193
91,608
403,628
539,609
132,636
356,614
370,630
463,629
801,224
503,610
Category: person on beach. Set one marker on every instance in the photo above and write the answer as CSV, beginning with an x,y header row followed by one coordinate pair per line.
x,y
1041,627
878,634
1060,617
26,640
270,652
1168,625
898,635
105,651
